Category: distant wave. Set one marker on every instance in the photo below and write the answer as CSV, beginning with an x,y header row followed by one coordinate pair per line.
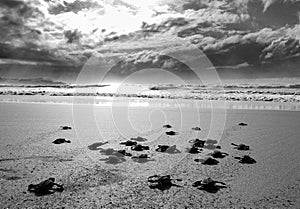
x,y
243,92
64,86
288,86
45,82
270,96
225,86
41,83
29,81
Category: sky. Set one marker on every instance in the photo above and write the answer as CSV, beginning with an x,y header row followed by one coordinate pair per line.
x,y
54,39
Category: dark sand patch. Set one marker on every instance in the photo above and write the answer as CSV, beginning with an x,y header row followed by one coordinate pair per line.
x,y
86,178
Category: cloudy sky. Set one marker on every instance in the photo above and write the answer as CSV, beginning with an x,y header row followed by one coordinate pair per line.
x,y
241,38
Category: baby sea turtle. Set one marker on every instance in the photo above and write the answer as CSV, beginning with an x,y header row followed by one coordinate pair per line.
x,y
171,133
167,126
243,124
65,127
208,161
194,150
218,154
241,146
45,187
129,143
60,141
162,148
207,183
157,181
139,147
246,159
196,128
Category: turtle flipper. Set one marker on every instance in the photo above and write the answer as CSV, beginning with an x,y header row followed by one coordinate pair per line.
x,y
59,187
32,187
220,182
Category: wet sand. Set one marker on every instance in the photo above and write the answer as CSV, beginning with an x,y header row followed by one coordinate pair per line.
x,y
94,178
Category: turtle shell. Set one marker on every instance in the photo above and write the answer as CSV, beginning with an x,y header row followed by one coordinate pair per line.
x,y
158,181
199,143
171,133
139,147
162,148
207,181
44,186
243,147
210,161
247,159
217,154
128,143
196,128
194,150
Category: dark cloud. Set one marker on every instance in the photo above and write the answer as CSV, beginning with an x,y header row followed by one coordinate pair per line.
x,y
11,3
231,54
194,5
29,52
281,50
135,62
278,14
238,34
14,17
14,33
264,46
23,37
165,25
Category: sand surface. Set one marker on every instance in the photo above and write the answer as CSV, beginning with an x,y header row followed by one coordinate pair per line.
x,y
92,178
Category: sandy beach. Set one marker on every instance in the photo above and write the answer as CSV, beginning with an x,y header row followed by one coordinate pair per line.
x,y
93,177
149,104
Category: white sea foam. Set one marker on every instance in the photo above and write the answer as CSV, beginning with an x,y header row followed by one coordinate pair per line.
x,y
241,92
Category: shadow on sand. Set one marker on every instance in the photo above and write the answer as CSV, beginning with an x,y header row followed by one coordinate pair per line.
x,y
141,159
113,160
162,183
139,139
164,187
211,187
95,146
115,157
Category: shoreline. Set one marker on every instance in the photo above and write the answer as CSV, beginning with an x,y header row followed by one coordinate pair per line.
x,y
134,102
262,93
